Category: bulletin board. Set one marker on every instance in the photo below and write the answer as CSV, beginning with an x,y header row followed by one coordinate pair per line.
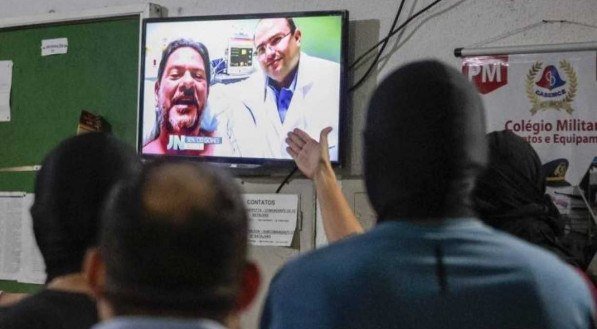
x,y
99,74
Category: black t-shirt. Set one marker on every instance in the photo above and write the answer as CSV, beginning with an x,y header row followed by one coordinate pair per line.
x,y
51,309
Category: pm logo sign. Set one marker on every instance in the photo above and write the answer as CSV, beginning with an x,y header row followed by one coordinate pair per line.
x,y
488,73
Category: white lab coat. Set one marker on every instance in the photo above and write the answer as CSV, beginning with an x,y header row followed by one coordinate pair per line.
x,y
254,126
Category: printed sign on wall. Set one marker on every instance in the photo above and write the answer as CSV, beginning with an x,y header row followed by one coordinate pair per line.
x,y
549,99
272,218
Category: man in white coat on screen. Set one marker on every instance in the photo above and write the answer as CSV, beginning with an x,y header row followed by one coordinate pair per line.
x,y
292,90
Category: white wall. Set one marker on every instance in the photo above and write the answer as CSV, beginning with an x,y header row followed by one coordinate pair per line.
x,y
452,23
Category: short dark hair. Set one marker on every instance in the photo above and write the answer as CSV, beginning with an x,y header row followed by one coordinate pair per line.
x,y
423,143
289,21
182,43
291,24
175,240
70,189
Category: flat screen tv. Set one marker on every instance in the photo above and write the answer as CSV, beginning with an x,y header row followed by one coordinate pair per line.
x,y
228,89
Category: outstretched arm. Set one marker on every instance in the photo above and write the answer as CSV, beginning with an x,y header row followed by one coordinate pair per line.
x,y
313,159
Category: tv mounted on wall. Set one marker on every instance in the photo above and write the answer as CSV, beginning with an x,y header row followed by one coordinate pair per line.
x,y
228,89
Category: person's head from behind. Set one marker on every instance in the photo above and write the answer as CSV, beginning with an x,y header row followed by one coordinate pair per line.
x,y
277,45
182,86
174,243
423,143
70,189
513,185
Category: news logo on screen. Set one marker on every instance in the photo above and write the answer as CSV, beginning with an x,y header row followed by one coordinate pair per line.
x,y
190,143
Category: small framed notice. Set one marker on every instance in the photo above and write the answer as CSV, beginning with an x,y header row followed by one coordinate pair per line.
x,y
272,218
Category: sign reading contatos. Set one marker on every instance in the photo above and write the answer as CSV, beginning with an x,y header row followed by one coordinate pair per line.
x,y
272,218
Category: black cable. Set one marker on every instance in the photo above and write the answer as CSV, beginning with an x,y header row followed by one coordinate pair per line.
x,y
391,34
384,40
383,47
287,179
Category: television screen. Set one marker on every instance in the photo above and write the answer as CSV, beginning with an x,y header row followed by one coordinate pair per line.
x,y
230,88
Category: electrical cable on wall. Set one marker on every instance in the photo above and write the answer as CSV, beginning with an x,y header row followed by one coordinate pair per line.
x,y
478,49
286,179
391,33
383,47
527,28
383,42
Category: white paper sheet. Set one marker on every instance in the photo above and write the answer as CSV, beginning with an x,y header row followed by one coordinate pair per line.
x,y
5,86
11,204
32,267
20,258
272,218
54,46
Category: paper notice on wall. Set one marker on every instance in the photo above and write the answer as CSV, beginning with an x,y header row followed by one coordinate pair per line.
x,y
32,264
54,46
11,204
272,218
5,86
20,258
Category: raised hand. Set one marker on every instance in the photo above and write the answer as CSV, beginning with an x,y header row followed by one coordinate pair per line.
x,y
309,155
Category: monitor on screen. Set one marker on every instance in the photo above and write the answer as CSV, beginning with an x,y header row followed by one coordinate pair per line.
x,y
228,89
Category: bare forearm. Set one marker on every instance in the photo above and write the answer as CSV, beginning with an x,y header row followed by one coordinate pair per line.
x,y
312,158
338,219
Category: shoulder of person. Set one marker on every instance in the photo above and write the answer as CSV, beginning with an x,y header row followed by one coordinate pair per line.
x,y
325,260
248,90
318,63
547,270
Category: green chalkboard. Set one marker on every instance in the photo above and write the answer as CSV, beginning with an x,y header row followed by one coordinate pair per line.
x,y
98,74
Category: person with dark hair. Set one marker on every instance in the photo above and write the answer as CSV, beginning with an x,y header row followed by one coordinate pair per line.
x,y
291,90
429,262
173,251
70,189
181,91
510,195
